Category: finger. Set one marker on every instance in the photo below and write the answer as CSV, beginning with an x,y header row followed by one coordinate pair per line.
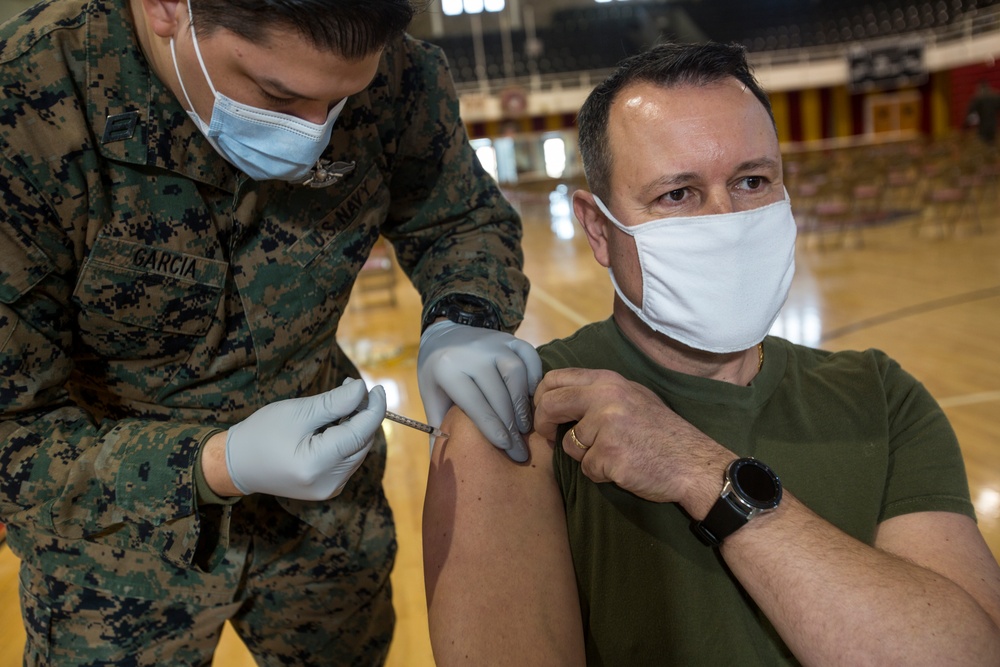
x,y
593,462
314,412
515,374
436,402
518,451
575,445
469,395
561,406
355,434
369,418
484,396
354,462
523,413
571,377
566,395
343,400
532,362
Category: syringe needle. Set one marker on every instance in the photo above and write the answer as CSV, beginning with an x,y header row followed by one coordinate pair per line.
x,y
413,423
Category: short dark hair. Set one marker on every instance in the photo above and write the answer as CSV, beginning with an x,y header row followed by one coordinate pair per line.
x,y
351,28
665,65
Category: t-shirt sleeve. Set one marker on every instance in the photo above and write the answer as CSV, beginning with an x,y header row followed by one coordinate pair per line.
x,y
926,470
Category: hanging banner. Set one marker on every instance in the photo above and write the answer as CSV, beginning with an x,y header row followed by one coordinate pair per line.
x,y
886,67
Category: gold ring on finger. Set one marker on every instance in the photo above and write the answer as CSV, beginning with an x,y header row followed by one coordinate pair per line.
x,y
576,440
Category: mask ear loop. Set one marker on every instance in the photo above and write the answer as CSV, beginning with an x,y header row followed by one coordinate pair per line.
x,y
197,51
611,273
612,218
177,71
201,61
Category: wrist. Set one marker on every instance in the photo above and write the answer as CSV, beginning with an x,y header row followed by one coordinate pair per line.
x,y
214,467
463,309
702,489
749,489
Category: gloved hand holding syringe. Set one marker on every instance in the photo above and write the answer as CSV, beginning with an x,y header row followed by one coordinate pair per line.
x,y
307,448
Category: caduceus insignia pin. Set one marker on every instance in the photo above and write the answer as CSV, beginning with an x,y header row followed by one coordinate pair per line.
x,y
327,173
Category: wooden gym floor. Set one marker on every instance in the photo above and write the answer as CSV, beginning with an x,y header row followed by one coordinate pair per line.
x,y
928,296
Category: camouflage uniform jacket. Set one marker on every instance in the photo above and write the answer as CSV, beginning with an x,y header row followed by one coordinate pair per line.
x,y
151,294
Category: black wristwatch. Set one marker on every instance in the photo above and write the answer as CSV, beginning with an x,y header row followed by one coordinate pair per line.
x,y
464,309
749,489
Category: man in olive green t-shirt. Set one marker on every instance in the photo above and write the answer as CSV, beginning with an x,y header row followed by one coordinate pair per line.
x,y
700,492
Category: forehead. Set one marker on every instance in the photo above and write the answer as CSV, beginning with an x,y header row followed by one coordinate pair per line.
x,y
687,128
284,55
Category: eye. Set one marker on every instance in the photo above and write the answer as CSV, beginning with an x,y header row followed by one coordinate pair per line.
x,y
676,195
754,182
274,100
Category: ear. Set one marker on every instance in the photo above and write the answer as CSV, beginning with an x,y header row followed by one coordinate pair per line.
x,y
594,224
164,17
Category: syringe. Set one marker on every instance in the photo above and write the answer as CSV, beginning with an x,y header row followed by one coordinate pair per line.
x,y
413,423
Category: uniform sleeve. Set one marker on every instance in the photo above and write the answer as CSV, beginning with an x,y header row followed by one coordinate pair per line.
x,y
65,471
452,228
926,470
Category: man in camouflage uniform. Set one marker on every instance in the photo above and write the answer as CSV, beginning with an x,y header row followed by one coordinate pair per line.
x,y
168,319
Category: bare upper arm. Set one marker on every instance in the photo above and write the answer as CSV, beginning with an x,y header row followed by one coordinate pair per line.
x,y
499,576
949,544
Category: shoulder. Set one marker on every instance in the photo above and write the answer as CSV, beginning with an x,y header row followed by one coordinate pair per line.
x,y
468,452
588,347
871,362
32,30
42,61
409,65
412,87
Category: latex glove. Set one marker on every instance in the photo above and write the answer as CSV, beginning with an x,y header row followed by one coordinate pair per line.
x,y
489,374
297,449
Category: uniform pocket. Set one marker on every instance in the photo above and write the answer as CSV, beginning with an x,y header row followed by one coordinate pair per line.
x,y
139,301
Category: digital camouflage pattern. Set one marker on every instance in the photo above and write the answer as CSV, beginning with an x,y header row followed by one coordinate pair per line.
x,y
329,604
150,295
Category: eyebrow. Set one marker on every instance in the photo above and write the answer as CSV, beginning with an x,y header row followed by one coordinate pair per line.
x,y
280,88
675,181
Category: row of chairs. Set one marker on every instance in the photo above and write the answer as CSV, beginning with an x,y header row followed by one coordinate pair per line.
x,y
941,188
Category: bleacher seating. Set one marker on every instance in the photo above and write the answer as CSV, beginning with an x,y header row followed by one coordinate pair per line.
x,y
597,37
804,24
575,41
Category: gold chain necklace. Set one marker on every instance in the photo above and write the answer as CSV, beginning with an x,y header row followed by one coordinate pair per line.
x,y
760,355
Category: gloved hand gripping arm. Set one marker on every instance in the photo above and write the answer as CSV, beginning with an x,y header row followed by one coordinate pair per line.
x,y
489,374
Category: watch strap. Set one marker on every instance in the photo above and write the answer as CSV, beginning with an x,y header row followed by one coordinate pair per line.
x,y
464,309
724,519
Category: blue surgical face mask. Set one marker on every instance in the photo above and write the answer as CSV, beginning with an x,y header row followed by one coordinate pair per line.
x,y
264,144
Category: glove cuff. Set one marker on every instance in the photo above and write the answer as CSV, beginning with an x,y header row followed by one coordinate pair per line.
x,y
229,465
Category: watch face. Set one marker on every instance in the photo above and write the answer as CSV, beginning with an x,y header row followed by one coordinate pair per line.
x,y
755,483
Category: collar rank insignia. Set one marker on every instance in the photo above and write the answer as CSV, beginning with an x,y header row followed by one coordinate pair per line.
x,y
327,173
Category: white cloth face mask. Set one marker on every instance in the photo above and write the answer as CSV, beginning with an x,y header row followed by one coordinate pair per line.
x,y
713,282
249,137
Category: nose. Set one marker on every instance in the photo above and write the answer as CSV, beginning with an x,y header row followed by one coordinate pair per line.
x,y
312,111
717,201
316,112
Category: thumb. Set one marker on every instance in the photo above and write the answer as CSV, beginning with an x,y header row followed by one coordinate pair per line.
x,y
340,402
362,425
436,405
